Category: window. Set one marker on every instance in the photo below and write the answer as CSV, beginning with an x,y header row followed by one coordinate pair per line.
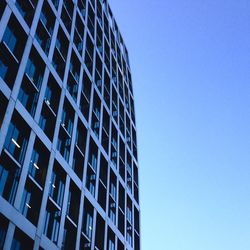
x,y
66,129
98,73
39,162
100,231
57,184
52,94
21,241
52,222
92,167
111,240
11,50
2,8
4,103
60,52
82,7
9,38
89,54
121,210
31,202
3,229
67,13
91,20
16,140
69,236
105,130
95,124
102,192
27,9
35,69
47,120
73,77
85,96
112,197
73,202
87,225
79,33
67,117
78,162
45,27
14,38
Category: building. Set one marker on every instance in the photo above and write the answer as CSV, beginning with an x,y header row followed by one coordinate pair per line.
x,y
68,153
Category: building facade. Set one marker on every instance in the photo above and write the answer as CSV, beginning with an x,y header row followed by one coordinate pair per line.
x,y
68,152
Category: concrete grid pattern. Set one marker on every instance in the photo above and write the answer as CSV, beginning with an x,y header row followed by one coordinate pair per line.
x,y
68,150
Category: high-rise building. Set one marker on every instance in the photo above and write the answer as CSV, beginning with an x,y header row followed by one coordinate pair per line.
x,y
68,153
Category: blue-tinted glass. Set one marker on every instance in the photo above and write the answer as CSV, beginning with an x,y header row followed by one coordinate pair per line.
x,y
9,38
3,69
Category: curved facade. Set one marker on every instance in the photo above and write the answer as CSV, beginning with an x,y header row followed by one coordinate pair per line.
x,y
68,151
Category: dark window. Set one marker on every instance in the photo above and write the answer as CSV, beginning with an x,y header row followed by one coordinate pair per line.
x,y
79,33
105,130
4,103
89,54
78,162
27,9
87,225
45,27
31,202
82,7
85,96
52,222
112,197
95,124
73,202
47,120
17,138
111,240
11,50
92,167
60,52
9,178
14,38
2,8
100,232
67,13
120,245
69,236
39,162
52,94
21,241
35,68
102,193
28,96
57,184
3,229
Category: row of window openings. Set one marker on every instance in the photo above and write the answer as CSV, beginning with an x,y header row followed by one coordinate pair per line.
x,y
33,190
16,143
22,241
35,76
11,36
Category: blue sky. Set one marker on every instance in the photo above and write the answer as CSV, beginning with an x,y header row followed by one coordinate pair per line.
x,y
190,61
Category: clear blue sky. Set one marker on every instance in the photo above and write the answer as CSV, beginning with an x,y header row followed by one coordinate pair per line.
x,y
191,73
